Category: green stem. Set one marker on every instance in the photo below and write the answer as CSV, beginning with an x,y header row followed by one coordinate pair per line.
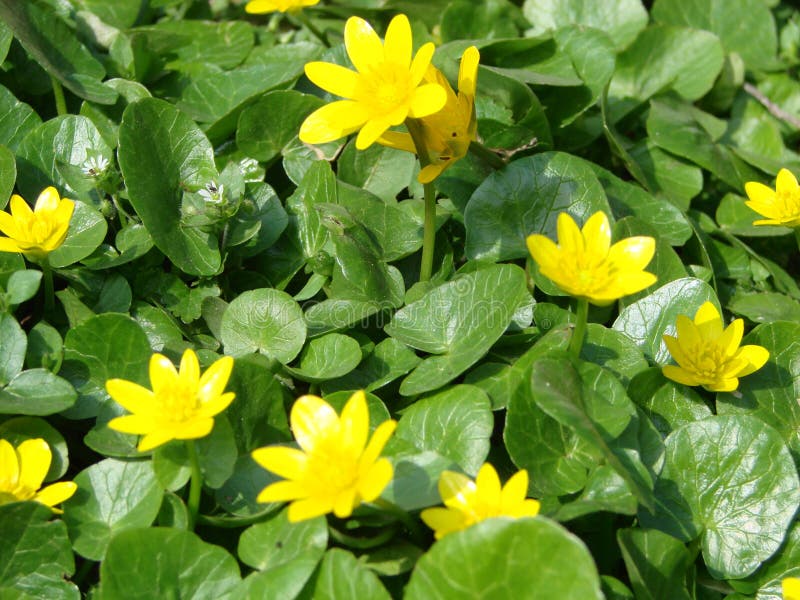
x,y
49,288
234,522
196,485
413,526
486,155
429,229
306,22
58,94
582,314
797,236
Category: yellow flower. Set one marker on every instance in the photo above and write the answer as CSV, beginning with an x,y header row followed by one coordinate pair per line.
x,y
709,356
791,588
469,502
382,92
781,206
335,469
586,265
22,471
37,232
182,404
447,133
257,7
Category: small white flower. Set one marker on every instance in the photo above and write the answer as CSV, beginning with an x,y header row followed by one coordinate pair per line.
x,y
212,192
94,166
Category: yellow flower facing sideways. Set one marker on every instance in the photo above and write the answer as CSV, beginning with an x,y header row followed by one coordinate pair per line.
x,y
791,588
780,206
336,468
181,405
22,471
382,91
447,133
468,502
258,7
709,355
35,233
585,264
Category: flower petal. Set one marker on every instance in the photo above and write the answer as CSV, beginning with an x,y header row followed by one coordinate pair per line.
x,y
153,439
468,71
569,236
376,444
514,492
132,397
375,481
488,486
333,121
313,419
397,43
34,462
363,45
456,489
596,234
281,491
215,405
756,357
758,192
9,463
20,208
770,210
398,140
432,171
8,225
632,282
333,78
443,520
56,493
544,251
708,321
688,334
723,385
428,98
212,383
133,424
633,253
731,338
194,429
286,462
309,508
344,503
189,371
421,62
9,245
680,375
354,422
370,132
48,200
786,182
676,351
162,373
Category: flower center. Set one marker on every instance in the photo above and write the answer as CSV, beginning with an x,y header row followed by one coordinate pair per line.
x,y
789,202
709,360
386,88
12,491
332,468
36,228
179,400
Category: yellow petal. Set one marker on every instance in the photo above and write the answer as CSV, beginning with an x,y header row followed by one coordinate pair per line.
x,y
215,405
777,222
468,71
312,419
344,503
453,487
769,210
371,131
191,430
708,321
34,462
723,385
281,491
421,62
786,182
56,493
760,193
20,208
732,337
569,236
301,510
189,371
9,464
333,78
133,424
688,334
212,383
333,121
8,225
376,444
9,245
544,251
514,492
48,200
756,357
488,486
596,234
432,171
633,253
632,282
162,373
377,478
355,422
680,375
676,351
397,140
132,397
397,43
529,508
363,45
428,98
791,588
443,520
257,7
154,439
289,463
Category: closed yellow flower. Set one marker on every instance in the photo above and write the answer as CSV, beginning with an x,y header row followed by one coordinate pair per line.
x,y
585,264
781,206
336,467
468,502
35,233
447,133
709,355
181,405
267,6
22,471
791,588
382,91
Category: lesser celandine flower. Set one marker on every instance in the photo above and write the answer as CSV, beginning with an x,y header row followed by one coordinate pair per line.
x,y
468,502
709,355
35,233
446,134
258,7
22,471
382,92
336,468
791,588
780,206
181,405
585,264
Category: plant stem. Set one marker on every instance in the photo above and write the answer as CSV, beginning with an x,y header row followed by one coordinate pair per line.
x,y
429,229
582,314
58,94
49,288
413,526
797,236
306,22
486,155
196,485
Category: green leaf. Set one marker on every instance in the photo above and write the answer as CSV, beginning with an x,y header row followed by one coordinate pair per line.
x,y
389,360
342,577
87,230
614,351
318,185
756,43
284,582
622,24
22,285
737,489
8,172
502,211
17,120
101,348
238,494
275,542
14,343
267,321
36,558
331,355
36,162
646,321
45,347
56,49
382,171
657,563
77,142
36,392
112,496
784,563
414,484
162,153
456,423
120,14
547,561
166,563
451,322
492,19
765,307
666,174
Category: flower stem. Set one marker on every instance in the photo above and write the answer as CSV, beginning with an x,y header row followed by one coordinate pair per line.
x,y
486,155
196,485
306,22
49,288
429,229
58,94
413,526
582,314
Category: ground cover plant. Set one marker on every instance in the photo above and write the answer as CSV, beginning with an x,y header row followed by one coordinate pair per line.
x,y
399,299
